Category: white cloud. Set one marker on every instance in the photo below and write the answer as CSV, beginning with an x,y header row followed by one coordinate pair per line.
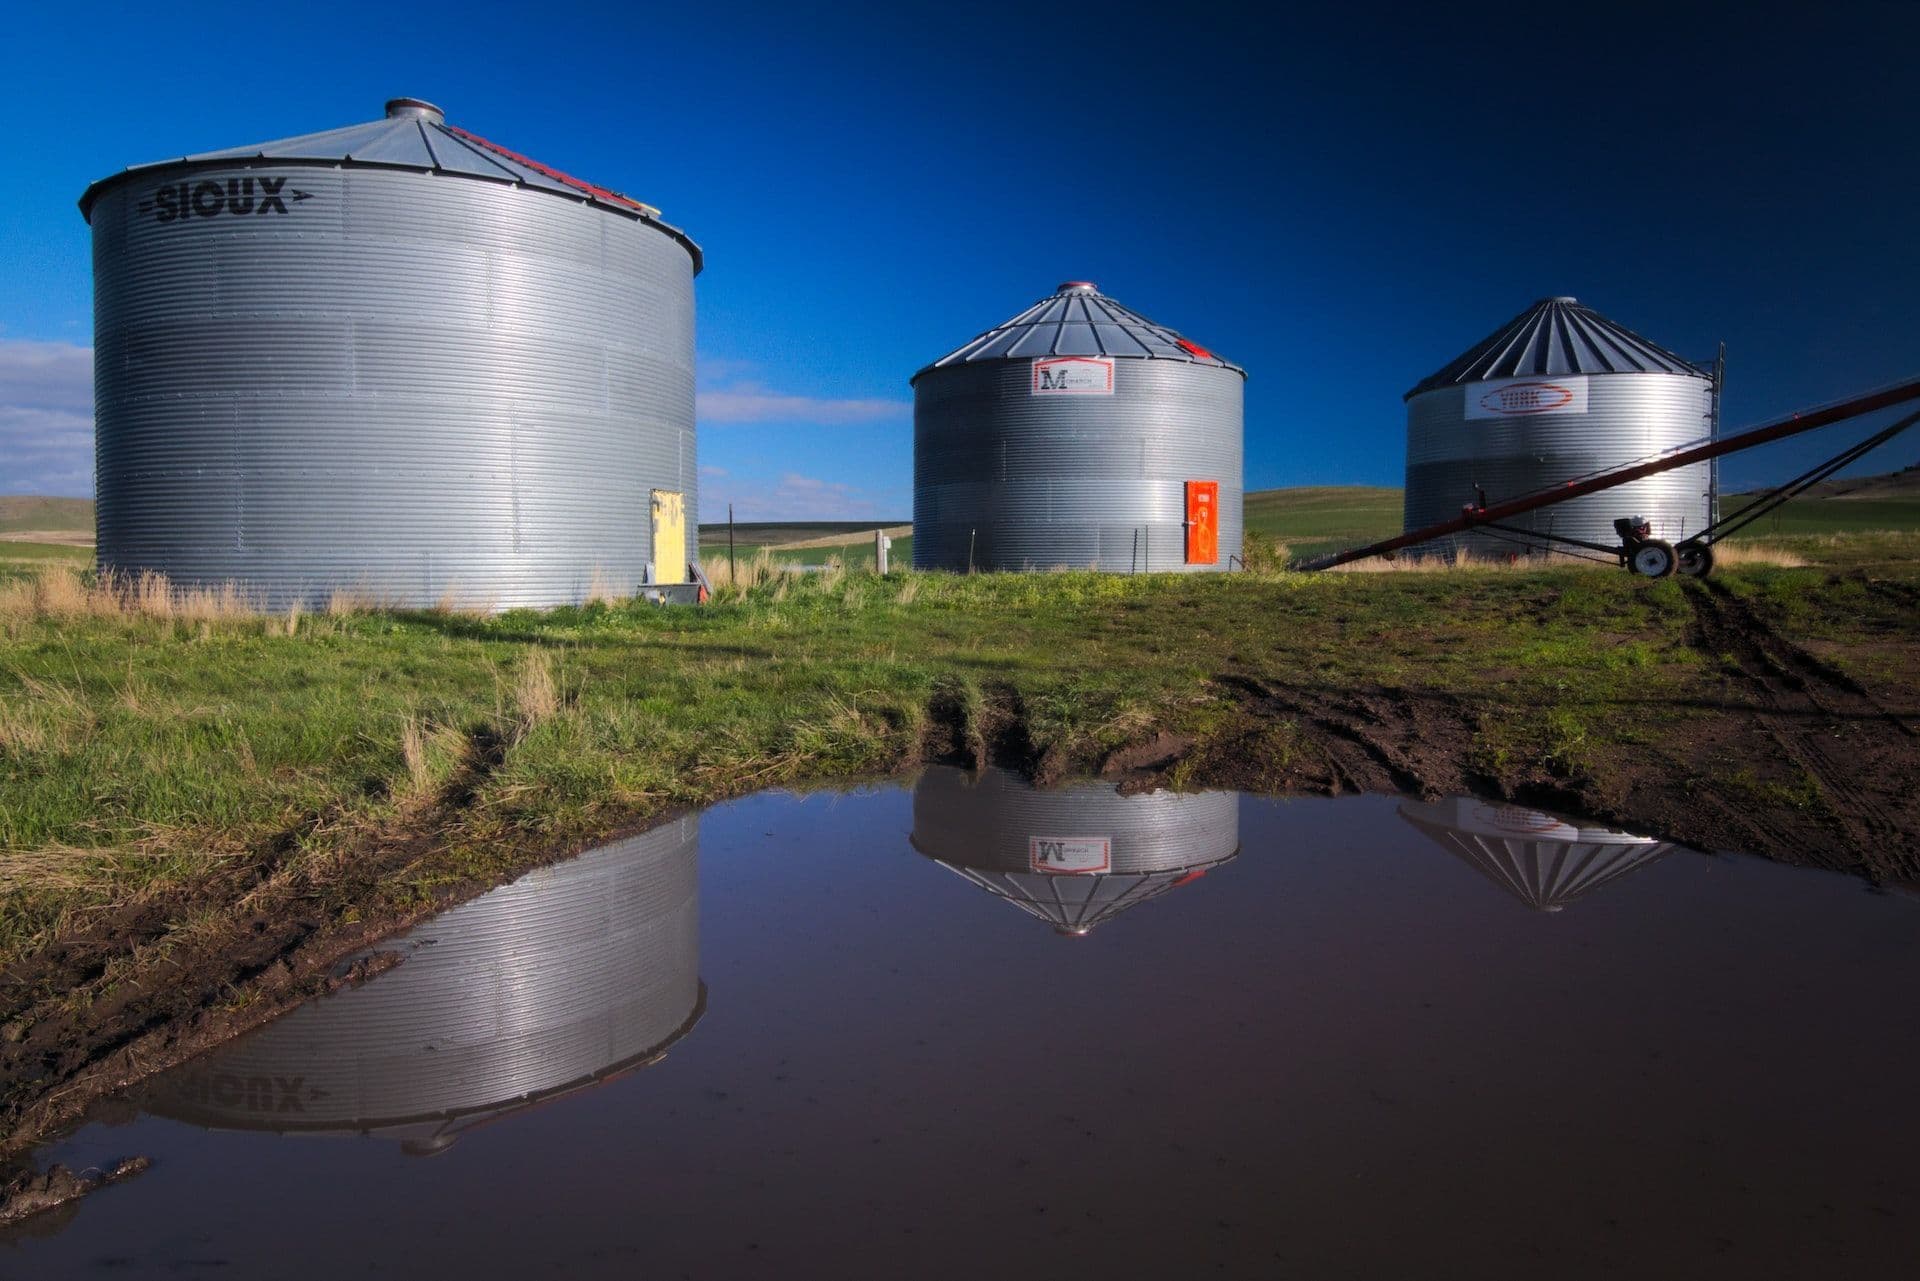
x,y
798,497
46,418
744,401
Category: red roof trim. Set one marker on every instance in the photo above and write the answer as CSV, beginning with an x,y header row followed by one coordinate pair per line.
x,y
599,193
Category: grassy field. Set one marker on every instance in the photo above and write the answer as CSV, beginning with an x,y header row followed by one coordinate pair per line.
x,y
1324,518
137,748
1805,516
21,558
748,534
852,555
20,512
192,798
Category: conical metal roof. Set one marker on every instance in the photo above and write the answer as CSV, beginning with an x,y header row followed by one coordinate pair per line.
x,y
413,134
1078,320
1558,336
1544,861
1074,857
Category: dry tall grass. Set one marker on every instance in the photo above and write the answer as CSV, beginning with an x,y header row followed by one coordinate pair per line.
x,y
601,590
1725,555
536,692
57,591
1743,553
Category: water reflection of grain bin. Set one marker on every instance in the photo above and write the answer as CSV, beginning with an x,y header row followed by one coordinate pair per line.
x,y
1544,861
1078,433
1557,393
568,977
1075,856
393,359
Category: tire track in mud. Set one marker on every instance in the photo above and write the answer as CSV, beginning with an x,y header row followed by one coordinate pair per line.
x,y
113,1004
1820,720
1381,740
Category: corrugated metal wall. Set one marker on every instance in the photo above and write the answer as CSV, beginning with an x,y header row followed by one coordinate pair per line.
x,y
1084,481
570,971
1628,417
412,385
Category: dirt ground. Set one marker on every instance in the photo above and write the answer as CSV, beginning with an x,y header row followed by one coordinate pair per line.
x,y
1778,715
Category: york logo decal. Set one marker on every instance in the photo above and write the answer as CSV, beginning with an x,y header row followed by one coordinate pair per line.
x,y
214,198
1521,397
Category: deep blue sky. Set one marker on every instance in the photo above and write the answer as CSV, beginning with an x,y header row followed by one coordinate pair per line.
x,y
1341,203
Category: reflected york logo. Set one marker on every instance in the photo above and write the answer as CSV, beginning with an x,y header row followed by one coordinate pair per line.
x,y
211,198
1527,398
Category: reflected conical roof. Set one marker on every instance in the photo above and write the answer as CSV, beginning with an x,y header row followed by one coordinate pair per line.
x,y
414,135
1544,861
571,976
1558,336
1078,320
1024,844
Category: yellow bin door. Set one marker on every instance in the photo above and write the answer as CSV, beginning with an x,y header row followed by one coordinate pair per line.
x,y
669,536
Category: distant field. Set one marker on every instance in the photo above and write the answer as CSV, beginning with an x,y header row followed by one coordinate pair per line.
x,y
850,554
1828,515
767,533
1319,518
29,511
17,559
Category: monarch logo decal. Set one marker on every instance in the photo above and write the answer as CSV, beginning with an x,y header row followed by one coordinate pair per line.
x,y
213,198
1073,376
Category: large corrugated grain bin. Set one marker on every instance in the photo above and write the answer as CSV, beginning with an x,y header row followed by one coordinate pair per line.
x,y
1079,434
1074,857
568,977
392,359
1559,392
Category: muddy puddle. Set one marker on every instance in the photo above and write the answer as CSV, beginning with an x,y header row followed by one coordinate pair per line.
x,y
960,1028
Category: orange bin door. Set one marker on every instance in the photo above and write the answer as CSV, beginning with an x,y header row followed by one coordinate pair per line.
x,y
1203,522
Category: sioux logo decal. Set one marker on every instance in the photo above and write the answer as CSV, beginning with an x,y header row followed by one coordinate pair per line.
x,y
214,198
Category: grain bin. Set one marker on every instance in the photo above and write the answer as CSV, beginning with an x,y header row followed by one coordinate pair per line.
x,y
1541,859
566,978
1557,393
1078,433
392,359
1074,857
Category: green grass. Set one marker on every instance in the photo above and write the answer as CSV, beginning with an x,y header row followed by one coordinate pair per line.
x,y
1827,516
1321,518
24,558
28,511
136,752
